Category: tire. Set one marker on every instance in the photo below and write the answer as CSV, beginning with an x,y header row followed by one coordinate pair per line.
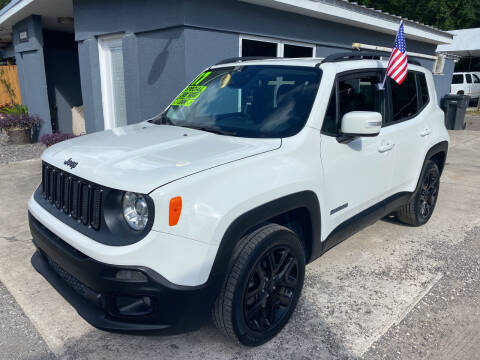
x,y
253,306
421,205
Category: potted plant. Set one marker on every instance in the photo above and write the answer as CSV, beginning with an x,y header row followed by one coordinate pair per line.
x,y
18,123
52,139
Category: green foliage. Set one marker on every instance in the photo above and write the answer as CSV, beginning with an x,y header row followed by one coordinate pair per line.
x,y
3,3
443,14
15,109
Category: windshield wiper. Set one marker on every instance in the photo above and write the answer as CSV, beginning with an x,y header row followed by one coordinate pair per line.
x,y
211,130
162,120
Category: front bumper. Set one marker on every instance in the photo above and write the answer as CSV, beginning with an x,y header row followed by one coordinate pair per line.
x,y
101,299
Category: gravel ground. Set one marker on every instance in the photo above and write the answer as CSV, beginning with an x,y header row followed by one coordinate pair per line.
x,y
14,325
473,121
13,153
428,331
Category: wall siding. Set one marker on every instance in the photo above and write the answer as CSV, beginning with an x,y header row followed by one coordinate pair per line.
x,y
29,57
90,84
160,69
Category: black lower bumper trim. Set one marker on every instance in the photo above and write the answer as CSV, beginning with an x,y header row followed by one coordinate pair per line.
x,y
93,290
93,315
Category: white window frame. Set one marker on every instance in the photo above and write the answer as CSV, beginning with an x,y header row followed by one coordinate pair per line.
x,y
280,44
105,43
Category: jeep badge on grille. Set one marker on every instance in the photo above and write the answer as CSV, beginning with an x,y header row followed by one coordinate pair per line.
x,y
70,163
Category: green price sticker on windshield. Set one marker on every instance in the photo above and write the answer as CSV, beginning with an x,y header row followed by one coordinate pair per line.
x,y
192,92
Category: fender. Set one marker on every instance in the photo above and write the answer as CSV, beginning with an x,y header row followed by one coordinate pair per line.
x,y
435,149
249,220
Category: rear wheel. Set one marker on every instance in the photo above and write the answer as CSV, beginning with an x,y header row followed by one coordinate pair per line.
x,y
262,288
420,207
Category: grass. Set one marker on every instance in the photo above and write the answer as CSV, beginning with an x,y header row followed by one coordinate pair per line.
x,y
473,111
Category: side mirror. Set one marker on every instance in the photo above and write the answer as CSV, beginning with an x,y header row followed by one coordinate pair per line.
x,y
361,123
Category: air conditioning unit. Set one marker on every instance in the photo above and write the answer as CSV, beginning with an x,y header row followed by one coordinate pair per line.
x,y
439,65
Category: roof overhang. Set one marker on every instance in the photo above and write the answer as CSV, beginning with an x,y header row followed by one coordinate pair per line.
x,y
49,10
340,11
465,43
344,12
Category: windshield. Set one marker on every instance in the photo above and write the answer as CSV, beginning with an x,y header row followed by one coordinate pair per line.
x,y
260,101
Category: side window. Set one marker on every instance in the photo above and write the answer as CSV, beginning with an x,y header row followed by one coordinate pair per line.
x,y
354,94
457,79
404,98
360,94
469,78
423,88
476,80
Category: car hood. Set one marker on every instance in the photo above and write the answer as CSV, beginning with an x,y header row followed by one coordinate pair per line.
x,y
144,156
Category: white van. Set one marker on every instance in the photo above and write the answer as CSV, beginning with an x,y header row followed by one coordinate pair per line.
x,y
466,83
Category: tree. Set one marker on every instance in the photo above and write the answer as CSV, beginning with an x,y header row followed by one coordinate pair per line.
x,y
443,14
3,3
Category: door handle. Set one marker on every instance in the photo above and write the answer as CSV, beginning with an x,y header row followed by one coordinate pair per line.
x,y
426,132
386,147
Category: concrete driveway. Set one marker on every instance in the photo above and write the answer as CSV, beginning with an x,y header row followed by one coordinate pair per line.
x,y
390,291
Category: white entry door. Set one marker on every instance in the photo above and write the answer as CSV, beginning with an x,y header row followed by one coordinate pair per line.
x,y
110,51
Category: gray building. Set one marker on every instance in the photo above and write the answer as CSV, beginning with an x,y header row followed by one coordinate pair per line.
x,y
125,60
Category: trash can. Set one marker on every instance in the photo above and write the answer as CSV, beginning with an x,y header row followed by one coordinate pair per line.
x,y
455,107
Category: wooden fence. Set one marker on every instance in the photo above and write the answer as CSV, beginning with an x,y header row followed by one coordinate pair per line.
x,y
9,75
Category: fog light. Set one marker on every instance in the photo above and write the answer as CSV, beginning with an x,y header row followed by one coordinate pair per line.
x,y
131,275
133,305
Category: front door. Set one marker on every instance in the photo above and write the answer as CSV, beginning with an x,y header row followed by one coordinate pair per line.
x,y
357,174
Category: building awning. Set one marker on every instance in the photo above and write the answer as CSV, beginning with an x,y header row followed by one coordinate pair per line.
x,y
56,15
344,12
465,43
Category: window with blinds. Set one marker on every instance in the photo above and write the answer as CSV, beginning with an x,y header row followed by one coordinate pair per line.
x,y
110,50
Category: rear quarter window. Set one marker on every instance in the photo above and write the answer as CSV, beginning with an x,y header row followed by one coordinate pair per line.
x,y
422,81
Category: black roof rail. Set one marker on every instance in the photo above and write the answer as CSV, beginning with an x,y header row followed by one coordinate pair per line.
x,y
244,58
362,55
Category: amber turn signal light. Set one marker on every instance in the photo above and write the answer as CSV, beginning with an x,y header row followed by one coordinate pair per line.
x,y
175,210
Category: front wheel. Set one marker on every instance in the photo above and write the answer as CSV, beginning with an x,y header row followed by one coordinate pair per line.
x,y
420,207
262,288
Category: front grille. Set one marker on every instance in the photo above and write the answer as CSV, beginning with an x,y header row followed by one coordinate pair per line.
x,y
79,198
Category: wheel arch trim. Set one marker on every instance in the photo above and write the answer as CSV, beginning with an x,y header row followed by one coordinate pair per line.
x,y
434,150
256,216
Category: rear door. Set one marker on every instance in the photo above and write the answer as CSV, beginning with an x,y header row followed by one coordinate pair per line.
x,y
468,85
408,120
357,174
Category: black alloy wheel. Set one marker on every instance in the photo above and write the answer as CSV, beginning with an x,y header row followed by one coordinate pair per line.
x,y
262,287
421,205
270,289
428,193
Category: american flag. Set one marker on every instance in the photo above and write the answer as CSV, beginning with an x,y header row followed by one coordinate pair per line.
x,y
397,65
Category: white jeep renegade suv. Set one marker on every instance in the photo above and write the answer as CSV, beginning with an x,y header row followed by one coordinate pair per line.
x,y
216,205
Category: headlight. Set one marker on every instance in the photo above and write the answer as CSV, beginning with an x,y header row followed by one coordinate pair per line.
x,y
135,210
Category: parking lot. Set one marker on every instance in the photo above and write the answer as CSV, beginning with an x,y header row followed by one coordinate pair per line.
x,y
391,291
